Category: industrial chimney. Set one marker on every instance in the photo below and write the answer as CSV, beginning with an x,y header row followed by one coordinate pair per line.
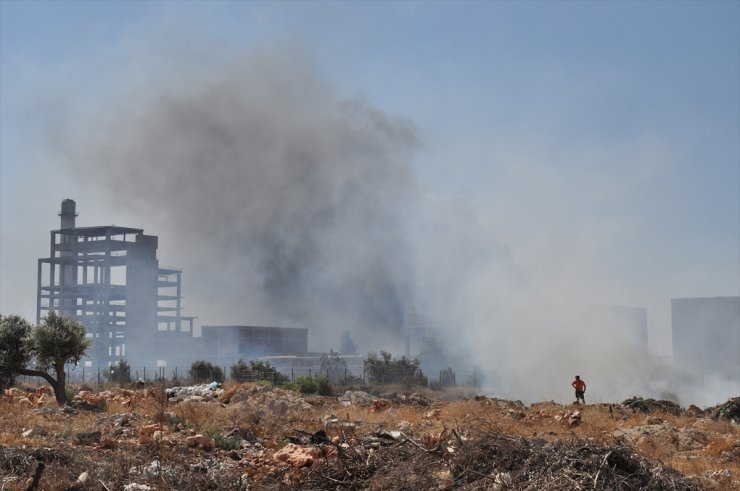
x,y
68,214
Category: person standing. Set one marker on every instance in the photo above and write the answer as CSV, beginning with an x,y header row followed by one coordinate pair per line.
x,y
580,387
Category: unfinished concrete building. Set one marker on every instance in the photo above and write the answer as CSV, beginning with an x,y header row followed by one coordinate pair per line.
x,y
108,278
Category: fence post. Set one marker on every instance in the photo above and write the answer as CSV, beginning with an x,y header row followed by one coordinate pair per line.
x,y
144,374
98,376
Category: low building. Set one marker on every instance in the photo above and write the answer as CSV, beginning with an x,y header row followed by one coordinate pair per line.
x,y
224,345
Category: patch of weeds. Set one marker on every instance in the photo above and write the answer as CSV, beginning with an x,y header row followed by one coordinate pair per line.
x,y
211,430
172,420
289,386
313,385
228,443
71,392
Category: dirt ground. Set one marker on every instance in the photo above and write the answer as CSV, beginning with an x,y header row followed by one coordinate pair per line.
x,y
253,436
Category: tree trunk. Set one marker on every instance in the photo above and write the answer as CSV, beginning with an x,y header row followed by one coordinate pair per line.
x,y
60,389
59,392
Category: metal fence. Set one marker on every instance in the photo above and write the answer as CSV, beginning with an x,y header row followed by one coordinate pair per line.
x,y
173,376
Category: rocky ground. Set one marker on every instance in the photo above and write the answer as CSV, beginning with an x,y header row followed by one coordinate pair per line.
x,y
253,436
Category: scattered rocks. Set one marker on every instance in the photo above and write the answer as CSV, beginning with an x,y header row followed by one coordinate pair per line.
x,y
380,405
89,438
37,431
80,482
416,398
146,433
136,487
297,456
723,478
663,435
200,441
89,401
356,398
569,418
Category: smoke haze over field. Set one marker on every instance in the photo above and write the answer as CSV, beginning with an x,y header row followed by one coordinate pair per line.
x,y
286,204
506,202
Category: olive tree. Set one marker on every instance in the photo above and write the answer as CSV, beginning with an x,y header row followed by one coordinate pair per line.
x,y
57,341
14,331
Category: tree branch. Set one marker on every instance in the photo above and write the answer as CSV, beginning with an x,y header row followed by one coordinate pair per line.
x,y
37,373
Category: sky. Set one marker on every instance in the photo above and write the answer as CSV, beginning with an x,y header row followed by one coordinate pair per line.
x,y
587,150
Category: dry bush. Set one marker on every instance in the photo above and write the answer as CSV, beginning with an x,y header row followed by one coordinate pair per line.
x,y
720,444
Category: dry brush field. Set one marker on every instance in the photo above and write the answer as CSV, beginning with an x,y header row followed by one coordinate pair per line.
x,y
252,436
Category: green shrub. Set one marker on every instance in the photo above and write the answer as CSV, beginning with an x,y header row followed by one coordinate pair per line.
x,y
172,420
120,373
306,385
71,392
323,387
289,386
204,371
211,430
255,370
384,369
313,385
228,443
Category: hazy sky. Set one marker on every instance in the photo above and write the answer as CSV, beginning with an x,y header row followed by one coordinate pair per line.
x,y
597,142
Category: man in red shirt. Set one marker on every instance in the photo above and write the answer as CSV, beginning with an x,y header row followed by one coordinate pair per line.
x,y
580,387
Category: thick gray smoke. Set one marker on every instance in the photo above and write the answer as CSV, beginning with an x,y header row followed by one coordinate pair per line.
x,y
288,204
284,203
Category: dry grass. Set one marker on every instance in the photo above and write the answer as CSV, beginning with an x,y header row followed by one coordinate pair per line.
x,y
502,421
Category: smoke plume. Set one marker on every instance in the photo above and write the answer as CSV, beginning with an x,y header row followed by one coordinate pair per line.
x,y
287,203
284,203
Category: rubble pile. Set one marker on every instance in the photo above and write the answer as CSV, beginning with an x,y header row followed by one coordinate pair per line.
x,y
729,411
194,393
638,404
356,398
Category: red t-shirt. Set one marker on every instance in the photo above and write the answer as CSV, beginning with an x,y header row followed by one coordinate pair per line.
x,y
580,385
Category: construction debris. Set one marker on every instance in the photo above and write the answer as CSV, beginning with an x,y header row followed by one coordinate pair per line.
x,y
194,393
